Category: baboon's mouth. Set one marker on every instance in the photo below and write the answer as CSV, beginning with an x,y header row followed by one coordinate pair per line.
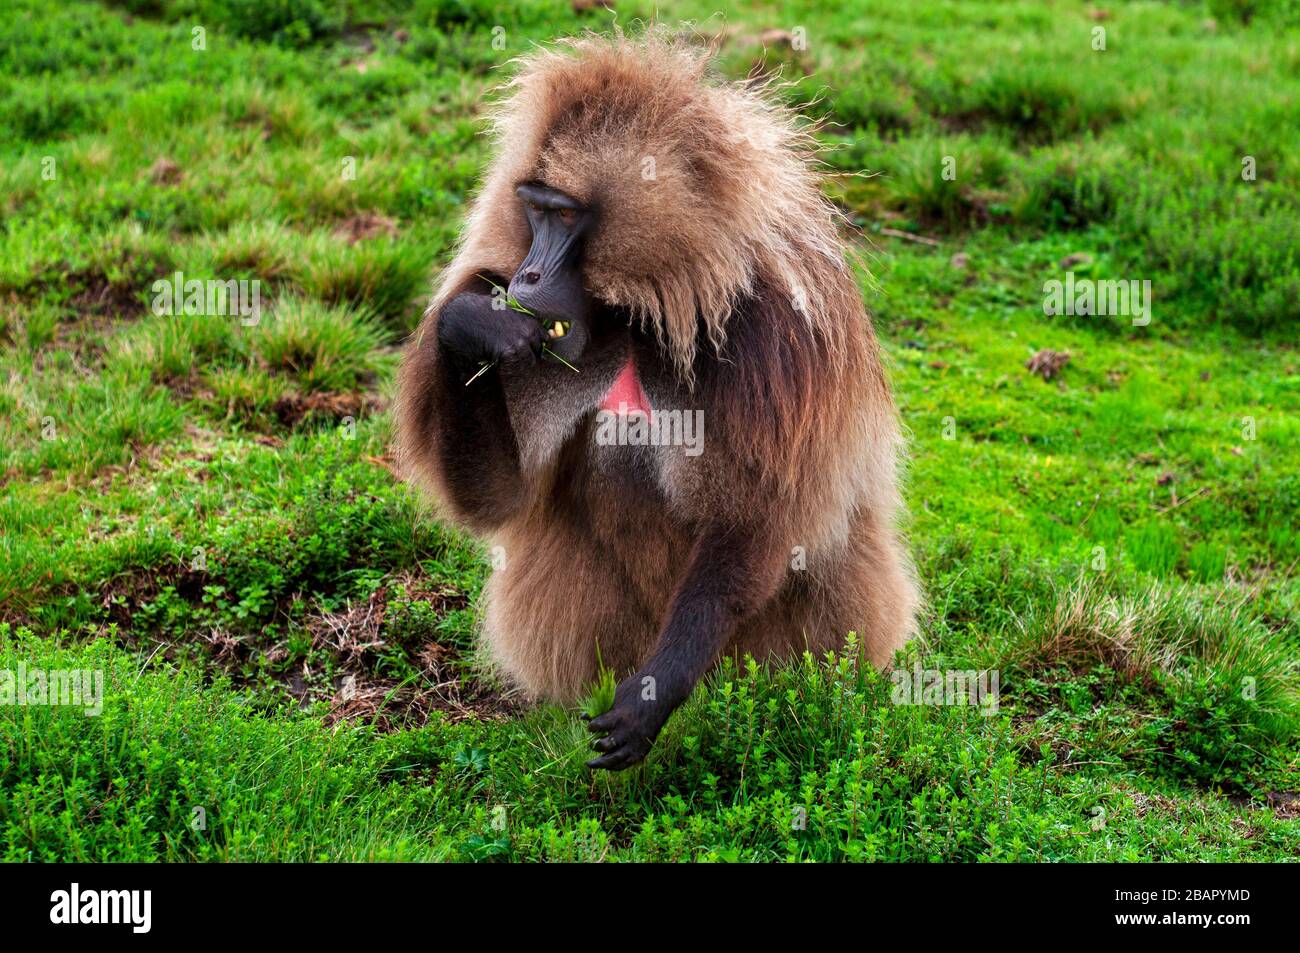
x,y
565,337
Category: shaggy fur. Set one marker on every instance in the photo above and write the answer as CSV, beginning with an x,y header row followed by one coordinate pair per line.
x,y
730,279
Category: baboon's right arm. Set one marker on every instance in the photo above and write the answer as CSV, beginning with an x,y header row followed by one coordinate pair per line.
x,y
461,435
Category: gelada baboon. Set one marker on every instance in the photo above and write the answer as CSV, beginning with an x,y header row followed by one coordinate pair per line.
x,y
679,267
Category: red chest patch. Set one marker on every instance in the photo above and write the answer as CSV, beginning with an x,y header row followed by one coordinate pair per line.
x,y
625,396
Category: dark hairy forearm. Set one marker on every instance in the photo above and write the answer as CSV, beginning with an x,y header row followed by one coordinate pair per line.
x,y
471,430
731,574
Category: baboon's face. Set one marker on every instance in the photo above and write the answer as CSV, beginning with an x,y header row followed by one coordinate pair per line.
x,y
549,282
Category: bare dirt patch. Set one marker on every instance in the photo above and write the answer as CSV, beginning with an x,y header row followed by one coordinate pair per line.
x,y
1048,363
360,667
166,171
292,409
357,639
1285,804
365,225
100,297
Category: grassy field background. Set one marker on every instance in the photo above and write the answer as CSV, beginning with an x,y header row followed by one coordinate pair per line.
x,y
206,512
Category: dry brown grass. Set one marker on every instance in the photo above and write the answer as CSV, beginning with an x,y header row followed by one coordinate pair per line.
x,y
1162,631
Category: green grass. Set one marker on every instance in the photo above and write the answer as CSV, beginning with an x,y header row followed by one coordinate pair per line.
x,y
204,509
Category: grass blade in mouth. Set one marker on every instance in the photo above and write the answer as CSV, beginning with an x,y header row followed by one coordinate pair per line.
x,y
560,359
516,306
480,372
487,367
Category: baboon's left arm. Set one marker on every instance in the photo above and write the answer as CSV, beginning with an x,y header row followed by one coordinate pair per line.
x,y
732,573
756,405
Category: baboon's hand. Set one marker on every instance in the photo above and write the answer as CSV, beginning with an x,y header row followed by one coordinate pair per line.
x,y
629,728
471,329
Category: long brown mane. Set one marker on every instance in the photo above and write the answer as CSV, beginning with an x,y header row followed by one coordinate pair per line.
x,y
641,130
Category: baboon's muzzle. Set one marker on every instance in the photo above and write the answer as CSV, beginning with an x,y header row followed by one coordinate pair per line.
x,y
549,282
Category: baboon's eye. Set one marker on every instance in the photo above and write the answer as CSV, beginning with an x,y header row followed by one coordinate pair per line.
x,y
568,216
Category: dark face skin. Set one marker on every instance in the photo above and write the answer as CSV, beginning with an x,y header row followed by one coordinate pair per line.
x,y
549,282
